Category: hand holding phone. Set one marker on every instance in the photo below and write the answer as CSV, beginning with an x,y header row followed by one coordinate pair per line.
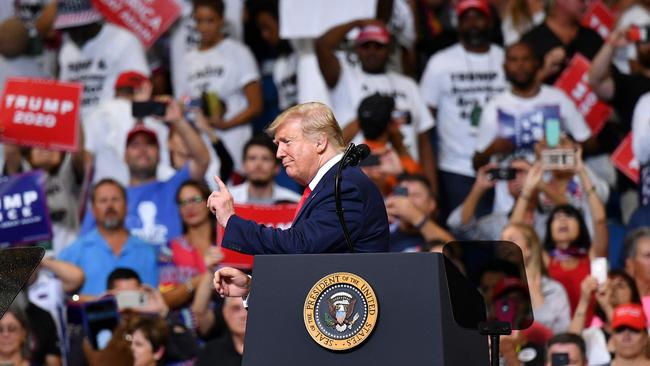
x,y
559,359
148,108
599,269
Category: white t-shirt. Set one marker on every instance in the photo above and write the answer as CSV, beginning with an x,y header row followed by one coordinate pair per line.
x,y
459,83
105,133
285,70
100,61
224,69
354,85
522,119
641,129
240,195
634,15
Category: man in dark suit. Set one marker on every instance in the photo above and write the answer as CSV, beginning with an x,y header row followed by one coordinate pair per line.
x,y
310,145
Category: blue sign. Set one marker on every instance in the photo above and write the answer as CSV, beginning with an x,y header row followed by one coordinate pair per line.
x,y
24,217
527,128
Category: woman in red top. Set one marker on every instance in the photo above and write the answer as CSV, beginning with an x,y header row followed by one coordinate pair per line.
x,y
191,258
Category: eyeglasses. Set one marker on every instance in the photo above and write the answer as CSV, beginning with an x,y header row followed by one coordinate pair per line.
x,y
187,201
11,329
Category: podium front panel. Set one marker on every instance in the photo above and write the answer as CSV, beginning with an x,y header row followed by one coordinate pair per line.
x,y
415,325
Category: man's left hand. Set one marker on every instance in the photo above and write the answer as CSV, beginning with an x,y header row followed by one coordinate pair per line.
x,y
221,203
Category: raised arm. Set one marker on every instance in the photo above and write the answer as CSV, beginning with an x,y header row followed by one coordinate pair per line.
x,y
600,78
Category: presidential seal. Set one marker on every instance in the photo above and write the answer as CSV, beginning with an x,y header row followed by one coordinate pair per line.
x,y
340,311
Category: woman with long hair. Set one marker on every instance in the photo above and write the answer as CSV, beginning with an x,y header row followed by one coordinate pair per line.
x,y
548,297
193,255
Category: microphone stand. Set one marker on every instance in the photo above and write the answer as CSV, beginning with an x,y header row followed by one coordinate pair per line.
x,y
337,197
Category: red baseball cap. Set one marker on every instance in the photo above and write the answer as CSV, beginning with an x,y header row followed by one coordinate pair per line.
x,y
373,33
130,79
506,285
480,5
629,315
140,128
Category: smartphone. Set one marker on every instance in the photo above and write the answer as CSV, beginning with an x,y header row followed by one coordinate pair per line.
x,y
211,104
99,318
400,191
559,359
131,299
557,159
638,34
401,117
370,160
505,173
552,132
599,269
149,108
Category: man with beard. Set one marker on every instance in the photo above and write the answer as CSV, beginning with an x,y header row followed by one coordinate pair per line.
x,y
514,121
261,167
457,82
152,214
110,245
364,73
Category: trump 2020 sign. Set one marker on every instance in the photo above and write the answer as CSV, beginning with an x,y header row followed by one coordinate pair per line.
x,y
40,113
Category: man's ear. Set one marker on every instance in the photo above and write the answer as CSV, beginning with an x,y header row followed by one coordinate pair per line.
x,y
321,143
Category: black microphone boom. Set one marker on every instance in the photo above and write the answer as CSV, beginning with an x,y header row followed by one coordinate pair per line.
x,y
356,154
352,156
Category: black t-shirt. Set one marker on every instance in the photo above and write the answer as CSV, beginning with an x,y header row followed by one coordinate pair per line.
x,y
44,334
220,351
627,91
587,42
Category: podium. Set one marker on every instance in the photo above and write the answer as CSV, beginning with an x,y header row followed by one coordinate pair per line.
x,y
414,323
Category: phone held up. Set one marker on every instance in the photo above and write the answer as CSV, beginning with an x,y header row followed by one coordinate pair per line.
x,y
148,108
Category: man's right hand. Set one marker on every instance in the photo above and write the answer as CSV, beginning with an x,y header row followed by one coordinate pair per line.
x,y
231,282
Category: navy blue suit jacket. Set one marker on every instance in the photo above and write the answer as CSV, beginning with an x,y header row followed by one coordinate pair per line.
x,y
317,228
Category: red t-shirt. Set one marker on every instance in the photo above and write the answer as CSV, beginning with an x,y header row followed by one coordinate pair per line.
x,y
571,280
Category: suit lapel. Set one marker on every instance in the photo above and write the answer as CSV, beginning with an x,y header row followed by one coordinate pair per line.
x,y
319,187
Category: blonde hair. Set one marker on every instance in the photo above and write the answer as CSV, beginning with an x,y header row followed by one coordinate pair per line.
x,y
316,118
535,245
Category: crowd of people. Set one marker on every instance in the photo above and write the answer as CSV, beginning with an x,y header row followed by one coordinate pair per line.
x,y
469,139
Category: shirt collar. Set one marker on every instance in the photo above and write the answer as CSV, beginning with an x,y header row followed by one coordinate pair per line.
x,y
321,172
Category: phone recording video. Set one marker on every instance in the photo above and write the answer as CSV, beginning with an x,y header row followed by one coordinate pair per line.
x,y
400,191
559,359
149,108
638,34
558,159
99,318
131,299
505,173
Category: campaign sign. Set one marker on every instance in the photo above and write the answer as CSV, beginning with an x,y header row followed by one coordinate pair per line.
x,y
42,113
147,19
278,216
599,18
24,217
623,158
574,80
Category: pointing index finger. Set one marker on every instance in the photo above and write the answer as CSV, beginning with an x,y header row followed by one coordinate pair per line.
x,y
222,186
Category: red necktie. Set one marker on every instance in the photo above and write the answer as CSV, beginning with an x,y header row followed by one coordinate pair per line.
x,y
305,194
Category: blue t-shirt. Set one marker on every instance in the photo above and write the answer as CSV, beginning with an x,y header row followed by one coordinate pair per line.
x,y
92,253
152,212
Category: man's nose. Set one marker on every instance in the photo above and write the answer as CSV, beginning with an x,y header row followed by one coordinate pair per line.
x,y
280,154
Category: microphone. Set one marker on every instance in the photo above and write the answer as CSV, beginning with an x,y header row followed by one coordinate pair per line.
x,y
355,154
352,156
